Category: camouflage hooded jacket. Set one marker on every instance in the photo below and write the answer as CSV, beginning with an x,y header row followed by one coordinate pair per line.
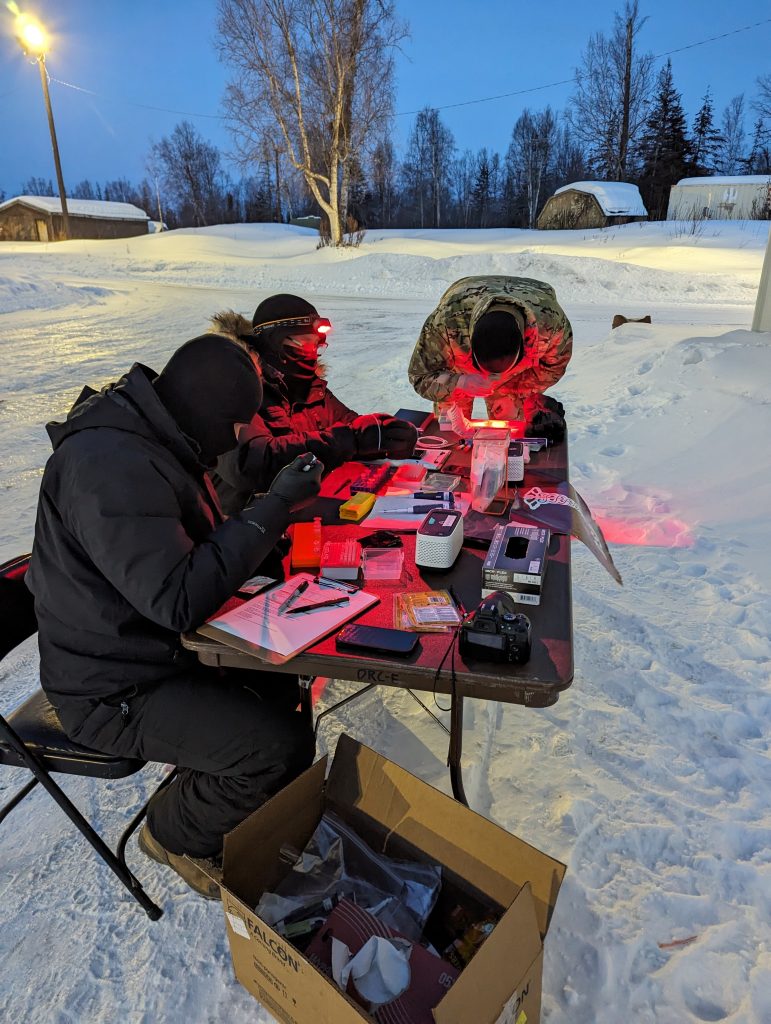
x,y
443,350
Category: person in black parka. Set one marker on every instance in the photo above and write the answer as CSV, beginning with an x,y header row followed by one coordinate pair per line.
x,y
299,412
131,549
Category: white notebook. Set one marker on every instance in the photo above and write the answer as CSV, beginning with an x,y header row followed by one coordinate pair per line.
x,y
257,628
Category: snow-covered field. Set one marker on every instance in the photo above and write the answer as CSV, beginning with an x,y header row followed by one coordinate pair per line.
x,y
651,778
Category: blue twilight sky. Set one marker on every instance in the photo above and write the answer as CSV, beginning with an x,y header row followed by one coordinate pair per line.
x,y
145,54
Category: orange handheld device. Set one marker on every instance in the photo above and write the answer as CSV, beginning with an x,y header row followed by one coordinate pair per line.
x,y
306,545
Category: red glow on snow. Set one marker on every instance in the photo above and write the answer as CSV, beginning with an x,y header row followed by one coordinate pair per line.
x,y
660,532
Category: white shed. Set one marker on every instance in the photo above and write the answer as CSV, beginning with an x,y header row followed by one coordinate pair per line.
x,y
721,197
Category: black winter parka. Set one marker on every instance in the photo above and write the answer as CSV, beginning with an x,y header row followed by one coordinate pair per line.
x,y
131,547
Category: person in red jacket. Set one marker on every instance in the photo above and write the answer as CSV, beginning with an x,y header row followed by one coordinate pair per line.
x,y
299,412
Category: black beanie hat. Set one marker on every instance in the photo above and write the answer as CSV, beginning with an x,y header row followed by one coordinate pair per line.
x,y
282,307
496,342
208,385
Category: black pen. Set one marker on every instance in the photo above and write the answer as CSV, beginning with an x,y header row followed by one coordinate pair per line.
x,y
334,603
324,581
295,594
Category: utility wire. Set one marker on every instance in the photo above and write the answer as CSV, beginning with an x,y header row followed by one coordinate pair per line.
x,y
567,81
444,106
132,103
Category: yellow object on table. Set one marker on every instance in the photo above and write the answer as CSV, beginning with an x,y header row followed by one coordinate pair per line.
x,y
357,507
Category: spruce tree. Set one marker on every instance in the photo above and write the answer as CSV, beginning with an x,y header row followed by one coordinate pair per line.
x,y
481,188
665,148
706,140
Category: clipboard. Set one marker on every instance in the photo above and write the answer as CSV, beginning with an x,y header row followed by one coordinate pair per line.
x,y
256,628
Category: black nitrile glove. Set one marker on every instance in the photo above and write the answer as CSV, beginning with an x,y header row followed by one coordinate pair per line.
x,y
298,482
399,437
546,419
368,435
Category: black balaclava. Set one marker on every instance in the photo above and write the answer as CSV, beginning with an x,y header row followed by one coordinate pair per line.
x,y
208,385
496,343
298,369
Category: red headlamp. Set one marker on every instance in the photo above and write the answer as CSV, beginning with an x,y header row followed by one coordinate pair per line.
x,y
319,325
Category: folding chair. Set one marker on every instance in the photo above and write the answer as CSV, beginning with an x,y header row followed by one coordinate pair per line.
x,y
32,737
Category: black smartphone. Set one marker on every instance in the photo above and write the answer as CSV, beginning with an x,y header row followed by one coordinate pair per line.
x,y
376,638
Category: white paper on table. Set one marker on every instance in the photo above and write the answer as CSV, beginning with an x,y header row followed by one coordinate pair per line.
x,y
257,627
382,518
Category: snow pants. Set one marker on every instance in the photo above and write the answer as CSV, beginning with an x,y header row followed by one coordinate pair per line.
x,y
235,736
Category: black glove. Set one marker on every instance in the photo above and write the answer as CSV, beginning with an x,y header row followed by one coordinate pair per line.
x,y
368,435
399,437
298,482
547,419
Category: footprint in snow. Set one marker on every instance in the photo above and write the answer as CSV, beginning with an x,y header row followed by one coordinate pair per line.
x,y
645,367
613,451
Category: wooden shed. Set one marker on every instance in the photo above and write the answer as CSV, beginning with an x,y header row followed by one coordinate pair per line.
x,y
592,204
39,219
721,197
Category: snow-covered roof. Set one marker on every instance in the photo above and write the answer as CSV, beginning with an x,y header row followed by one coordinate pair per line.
x,y
616,198
81,207
727,179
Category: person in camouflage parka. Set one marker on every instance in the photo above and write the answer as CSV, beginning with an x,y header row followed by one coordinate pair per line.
x,y
444,366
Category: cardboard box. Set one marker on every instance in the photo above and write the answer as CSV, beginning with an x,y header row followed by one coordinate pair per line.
x,y
516,562
403,817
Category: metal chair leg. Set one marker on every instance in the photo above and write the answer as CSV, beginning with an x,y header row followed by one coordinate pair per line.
x,y
120,870
16,800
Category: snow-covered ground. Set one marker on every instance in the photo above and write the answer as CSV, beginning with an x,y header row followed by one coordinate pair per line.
x,y
651,776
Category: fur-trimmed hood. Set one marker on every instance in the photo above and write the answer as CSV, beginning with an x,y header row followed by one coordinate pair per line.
x,y
235,327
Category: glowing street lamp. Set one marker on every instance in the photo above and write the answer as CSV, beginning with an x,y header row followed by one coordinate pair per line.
x,y
34,41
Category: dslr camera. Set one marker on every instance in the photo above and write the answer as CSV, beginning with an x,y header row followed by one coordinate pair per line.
x,y
496,631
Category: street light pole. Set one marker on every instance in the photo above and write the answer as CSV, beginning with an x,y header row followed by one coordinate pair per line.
x,y
41,60
34,41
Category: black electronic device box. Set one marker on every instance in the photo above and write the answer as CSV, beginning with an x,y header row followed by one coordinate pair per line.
x,y
496,631
376,639
419,418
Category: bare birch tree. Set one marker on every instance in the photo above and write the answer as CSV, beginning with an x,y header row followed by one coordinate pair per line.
x,y
732,146
316,78
763,102
529,158
463,185
191,171
383,174
428,165
613,87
